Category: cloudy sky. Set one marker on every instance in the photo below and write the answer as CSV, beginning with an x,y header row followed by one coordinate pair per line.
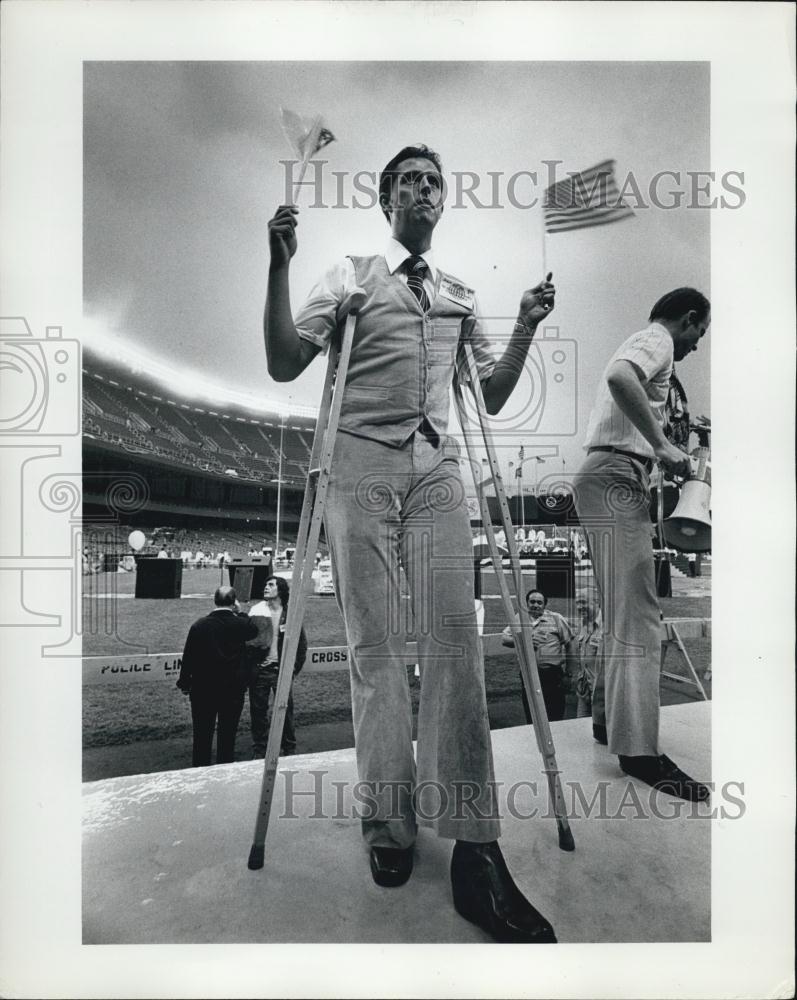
x,y
182,172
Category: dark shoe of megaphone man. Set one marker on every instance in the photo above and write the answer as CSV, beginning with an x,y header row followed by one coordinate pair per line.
x,y
625,438
396,499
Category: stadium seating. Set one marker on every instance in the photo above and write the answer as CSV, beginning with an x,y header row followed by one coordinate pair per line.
x,y
98,540
211,472
123,410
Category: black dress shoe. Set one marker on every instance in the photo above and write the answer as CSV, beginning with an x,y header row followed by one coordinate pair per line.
x,y
663,775
391,866
485,894
600,734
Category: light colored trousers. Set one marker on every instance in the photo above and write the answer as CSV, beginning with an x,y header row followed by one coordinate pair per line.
x,y
612,497
405,507
595,702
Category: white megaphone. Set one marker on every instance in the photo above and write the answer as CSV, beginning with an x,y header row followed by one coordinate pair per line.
x,y
689,526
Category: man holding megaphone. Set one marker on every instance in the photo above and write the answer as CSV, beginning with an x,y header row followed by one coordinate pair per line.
x,y
625,438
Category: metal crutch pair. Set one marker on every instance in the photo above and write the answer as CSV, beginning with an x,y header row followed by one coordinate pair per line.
x,y
307,541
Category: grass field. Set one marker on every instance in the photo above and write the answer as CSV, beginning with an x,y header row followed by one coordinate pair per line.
x,y
149,724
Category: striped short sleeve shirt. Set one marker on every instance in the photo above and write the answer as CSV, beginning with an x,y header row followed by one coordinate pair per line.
x,y
651,352
550,633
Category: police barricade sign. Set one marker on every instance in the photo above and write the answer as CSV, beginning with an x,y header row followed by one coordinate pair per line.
x,y
124,669
324,658
166,666
147,667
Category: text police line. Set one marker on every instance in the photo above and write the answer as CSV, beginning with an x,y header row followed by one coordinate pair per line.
x,y
320,659
166,666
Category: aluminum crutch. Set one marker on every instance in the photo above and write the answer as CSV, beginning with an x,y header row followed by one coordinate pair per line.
x,y
521,631
306,544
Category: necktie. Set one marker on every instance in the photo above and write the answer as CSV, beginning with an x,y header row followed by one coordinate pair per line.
x,y
416,268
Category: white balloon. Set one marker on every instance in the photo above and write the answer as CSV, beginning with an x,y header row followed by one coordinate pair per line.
x,y
136,540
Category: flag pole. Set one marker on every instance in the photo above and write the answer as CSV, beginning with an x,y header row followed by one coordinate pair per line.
x,y
544,257
309,147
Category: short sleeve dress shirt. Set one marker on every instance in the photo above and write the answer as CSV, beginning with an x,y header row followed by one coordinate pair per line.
x,y
651,352
550,633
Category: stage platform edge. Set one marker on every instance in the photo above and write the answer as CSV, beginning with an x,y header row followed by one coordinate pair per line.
x,y
164,855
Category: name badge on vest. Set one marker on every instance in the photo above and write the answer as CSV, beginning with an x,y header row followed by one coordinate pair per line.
x,y
455,292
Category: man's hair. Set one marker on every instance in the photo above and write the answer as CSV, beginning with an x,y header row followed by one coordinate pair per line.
x,y
224,597
535,591
283,589
674,304
388,174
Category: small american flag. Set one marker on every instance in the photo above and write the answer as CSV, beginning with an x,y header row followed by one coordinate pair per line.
x,y
590,198
306,135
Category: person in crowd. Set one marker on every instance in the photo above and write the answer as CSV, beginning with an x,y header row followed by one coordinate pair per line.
x,y
396,498
213,675
624,440
263,660
589,679
552,638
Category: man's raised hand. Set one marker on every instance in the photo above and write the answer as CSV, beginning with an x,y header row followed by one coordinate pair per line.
x,y
282,235
537,303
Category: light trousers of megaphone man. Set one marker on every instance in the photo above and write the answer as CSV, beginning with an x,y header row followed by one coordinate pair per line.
x,y
612,495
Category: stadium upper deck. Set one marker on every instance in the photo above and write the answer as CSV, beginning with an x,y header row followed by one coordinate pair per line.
x,y
128,411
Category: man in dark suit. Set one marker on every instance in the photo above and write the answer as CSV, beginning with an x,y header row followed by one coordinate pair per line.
x,y
213,674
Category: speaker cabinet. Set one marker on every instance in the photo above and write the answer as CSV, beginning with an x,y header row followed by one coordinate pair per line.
x,y
162,578
477,579
249,576
663,576
556,575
